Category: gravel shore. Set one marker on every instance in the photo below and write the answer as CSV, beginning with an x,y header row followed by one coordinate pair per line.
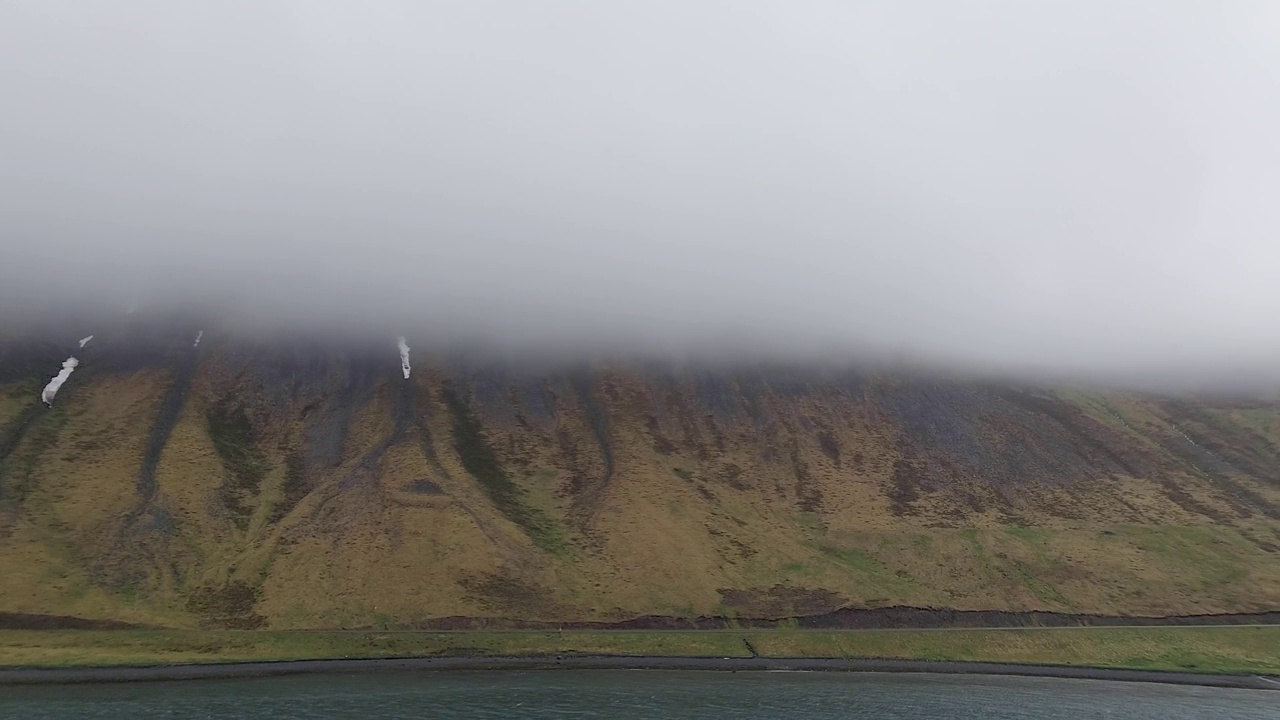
x,y
28,676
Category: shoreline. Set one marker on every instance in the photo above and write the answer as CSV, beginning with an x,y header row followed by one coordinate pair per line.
x,y
208,671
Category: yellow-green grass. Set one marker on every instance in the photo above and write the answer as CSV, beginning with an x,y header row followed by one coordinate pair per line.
x,y
1197,649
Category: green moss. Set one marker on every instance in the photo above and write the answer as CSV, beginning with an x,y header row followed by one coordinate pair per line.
x,y
480,461
25,440
872,573
1030,576
1262,421
294,487
854,559
1210,555
232,436
794,569
581,382
1028,535
975,545
1038,587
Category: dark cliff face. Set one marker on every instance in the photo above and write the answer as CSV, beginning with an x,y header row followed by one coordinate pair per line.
x,y
304,477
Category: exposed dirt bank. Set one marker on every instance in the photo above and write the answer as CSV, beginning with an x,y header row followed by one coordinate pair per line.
x,y
848,619
874,618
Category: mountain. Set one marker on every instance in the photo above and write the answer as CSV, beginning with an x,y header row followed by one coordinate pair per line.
x,y
291,480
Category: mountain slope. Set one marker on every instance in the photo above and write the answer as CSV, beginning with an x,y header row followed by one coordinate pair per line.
x,y
295,482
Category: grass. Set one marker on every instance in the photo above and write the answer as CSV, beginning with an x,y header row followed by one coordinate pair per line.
x,y
481,462
1194,649
581,381
871,573
294,487
232,436
361,558
26,439
1209,557
1043,591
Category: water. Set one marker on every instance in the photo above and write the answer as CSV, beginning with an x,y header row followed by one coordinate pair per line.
x,y
639,694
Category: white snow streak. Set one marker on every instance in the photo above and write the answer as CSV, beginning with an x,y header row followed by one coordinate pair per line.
x,y
198,336
85,341
404,356
1184,435
52,388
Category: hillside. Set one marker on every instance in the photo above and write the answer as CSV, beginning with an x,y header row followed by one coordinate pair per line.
x,y
298,482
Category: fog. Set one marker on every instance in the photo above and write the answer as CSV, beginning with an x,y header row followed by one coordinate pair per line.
x,y
1084,187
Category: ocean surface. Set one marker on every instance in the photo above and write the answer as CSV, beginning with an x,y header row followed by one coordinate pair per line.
x,y
638,694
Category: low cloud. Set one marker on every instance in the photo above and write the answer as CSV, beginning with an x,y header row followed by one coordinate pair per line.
x,y
1082,188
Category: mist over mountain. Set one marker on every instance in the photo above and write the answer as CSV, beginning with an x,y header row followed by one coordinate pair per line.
x,y
1070,190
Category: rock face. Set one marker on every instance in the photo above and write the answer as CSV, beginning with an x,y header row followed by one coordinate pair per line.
x,y
250,481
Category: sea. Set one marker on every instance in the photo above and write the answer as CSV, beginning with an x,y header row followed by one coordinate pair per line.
x,y
638,694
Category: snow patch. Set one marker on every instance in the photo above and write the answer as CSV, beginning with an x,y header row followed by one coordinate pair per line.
x,y
404,356
85,341
1184,435
198,336
51,389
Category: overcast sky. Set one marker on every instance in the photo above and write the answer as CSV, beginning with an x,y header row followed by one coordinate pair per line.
x,y
1087,184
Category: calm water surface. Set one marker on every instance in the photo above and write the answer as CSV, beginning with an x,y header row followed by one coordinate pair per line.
x,y
639,694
